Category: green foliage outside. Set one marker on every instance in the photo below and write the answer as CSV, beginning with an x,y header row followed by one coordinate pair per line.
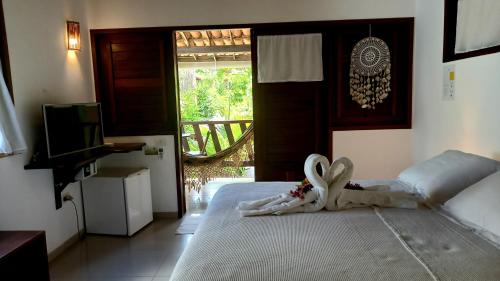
x,y
215,94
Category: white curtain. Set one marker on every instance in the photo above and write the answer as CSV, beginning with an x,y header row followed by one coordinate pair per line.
x,y
11,138
282,58
478,25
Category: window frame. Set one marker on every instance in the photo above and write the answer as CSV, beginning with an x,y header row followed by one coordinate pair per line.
x,y
4,52
450,34
4,56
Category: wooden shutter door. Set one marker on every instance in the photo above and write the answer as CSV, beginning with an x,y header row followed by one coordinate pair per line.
x,y
136,82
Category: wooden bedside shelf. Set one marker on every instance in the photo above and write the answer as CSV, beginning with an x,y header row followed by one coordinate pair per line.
x,y
65,168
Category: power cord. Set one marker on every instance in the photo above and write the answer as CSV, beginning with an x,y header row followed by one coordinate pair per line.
x,y
68,197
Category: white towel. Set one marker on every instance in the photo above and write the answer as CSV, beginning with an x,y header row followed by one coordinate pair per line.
x,y
313,201
340,198
283,58
338,180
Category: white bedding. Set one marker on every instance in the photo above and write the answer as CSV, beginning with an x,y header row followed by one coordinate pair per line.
x,y
354,244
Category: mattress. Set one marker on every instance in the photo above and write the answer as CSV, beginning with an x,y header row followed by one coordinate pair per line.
x,y
355,244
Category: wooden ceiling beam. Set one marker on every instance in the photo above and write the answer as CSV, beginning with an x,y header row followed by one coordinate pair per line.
x,y
185,39
214,49
231,36
245,58
208,37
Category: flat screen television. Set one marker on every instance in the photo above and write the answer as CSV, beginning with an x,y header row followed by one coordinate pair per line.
x,y
72,128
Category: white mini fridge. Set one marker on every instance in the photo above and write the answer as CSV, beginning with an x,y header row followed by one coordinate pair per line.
x,y
117,201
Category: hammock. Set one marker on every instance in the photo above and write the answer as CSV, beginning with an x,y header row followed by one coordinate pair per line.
x,y
200,169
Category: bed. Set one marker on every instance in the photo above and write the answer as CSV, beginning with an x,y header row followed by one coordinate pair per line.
x,y
355,244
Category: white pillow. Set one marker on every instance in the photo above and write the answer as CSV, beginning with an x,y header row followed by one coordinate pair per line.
x,y
443,176
479,206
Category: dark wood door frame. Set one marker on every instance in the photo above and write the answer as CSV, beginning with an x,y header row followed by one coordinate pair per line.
x,y
283,27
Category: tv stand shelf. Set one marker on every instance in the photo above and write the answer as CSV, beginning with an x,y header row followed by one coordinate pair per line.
x,y
65,168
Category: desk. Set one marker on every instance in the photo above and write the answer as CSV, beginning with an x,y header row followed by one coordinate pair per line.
x,y
65,168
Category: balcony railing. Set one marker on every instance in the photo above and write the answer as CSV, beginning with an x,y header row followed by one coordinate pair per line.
x,y
214,139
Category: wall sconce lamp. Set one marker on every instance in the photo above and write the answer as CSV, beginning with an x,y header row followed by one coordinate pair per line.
x,y
73,29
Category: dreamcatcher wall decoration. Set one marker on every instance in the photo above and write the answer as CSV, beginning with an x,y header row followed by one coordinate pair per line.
x,y
370,72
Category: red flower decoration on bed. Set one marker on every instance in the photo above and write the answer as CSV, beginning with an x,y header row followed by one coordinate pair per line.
x,y
304,187
353,186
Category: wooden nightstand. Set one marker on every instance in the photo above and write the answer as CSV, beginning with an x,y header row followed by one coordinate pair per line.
x,y
23,256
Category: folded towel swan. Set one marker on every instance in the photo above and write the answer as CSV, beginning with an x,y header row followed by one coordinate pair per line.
x,y
328,191
378,195
313,200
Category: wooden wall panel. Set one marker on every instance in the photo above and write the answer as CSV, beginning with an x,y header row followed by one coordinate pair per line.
x,y
289,120
395,111
295,119
288,128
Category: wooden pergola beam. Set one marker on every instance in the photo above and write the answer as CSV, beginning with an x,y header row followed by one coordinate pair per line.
x,y
211,59
214,49
186,41
231,36
208,37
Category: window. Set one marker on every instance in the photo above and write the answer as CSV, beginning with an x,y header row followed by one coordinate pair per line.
x,y
11,138
471,28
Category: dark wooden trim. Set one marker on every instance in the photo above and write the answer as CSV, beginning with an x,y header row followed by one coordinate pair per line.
x,y
257,115
450,35
4,53
179,177
450,23
179,165
371,127
281,25
95,68
409,117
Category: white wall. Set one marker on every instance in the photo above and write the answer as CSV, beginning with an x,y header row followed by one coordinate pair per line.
x,y
42,72
133,13
162,171
470,122
379,154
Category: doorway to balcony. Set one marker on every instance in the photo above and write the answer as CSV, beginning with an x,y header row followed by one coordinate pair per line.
x,y
215,93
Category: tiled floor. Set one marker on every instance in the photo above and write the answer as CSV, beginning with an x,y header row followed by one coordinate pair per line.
x,y
149,255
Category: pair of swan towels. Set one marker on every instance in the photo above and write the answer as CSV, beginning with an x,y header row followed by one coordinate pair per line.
x,y
327,191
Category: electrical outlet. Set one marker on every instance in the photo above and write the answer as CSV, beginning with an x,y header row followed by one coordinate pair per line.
x,y
160,152
67,197
150,150
449,77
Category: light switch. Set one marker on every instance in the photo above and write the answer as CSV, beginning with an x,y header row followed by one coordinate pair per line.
x,y
449,78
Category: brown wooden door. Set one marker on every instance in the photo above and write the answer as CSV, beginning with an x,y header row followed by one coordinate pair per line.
x,y
136,82
290,124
